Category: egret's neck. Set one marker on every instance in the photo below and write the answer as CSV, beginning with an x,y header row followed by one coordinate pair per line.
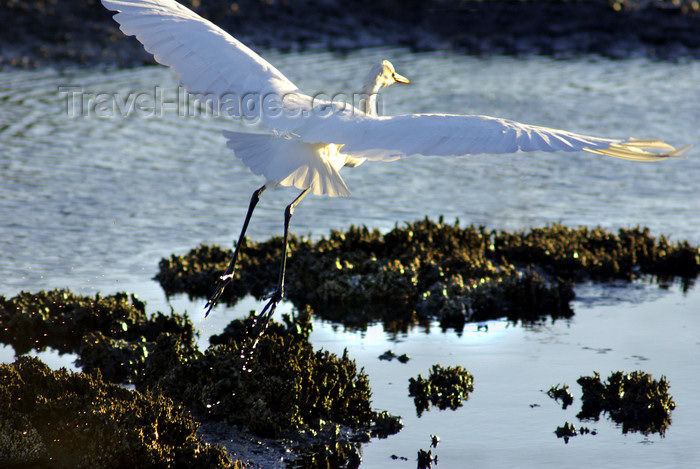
x,y
369,95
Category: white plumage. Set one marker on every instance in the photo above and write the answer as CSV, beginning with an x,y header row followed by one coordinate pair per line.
x,y
296,163
310,140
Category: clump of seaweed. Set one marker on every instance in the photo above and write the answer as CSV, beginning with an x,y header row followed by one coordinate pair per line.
x,y
583,253
445,387
389,355
561,393
522,297
285,386
331,446
59,419
569,430
519,296
433,270
110,333
426,459
635,400
385,424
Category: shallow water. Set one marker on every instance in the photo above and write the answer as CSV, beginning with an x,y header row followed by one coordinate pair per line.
x,y
93,202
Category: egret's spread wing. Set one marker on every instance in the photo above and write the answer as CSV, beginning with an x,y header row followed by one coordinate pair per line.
x,y
208,61
389,138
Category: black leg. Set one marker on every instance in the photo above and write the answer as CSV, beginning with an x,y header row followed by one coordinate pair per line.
x,y
226,278
288,212
269,309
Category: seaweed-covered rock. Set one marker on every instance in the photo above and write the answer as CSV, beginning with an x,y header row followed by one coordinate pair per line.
x,y
58,419
60,319
569,430
193,273
117,359
433,270
238,331
445,387
426,459
328,447
566,431
635,400
285,386
584,253
320,401
386,424
561,393
110,333
389,355
525,297
356,276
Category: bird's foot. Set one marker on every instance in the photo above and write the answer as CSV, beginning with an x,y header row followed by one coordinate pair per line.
x,y
259,326
264,317
276,295
224,280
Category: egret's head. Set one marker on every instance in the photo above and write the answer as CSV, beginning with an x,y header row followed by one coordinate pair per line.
x,y
383,75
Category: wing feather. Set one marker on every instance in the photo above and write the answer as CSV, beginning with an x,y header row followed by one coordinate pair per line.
x,y
207,60
389,138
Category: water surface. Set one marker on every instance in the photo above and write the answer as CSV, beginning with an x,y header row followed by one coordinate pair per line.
x,y
93,202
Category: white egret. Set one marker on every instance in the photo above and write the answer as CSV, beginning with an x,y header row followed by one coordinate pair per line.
x,y
312,138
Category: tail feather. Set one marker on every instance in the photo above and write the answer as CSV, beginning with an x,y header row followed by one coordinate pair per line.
x,y
287,161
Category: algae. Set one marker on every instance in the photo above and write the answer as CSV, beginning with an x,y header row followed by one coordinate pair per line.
x,y
110,333
635,400
284,386
429,270
569,430
597,254
561,393
445,387
426,459
318,401
389,355
59,419
385,424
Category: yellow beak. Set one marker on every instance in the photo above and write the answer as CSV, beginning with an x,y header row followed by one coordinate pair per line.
x,y
401,79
